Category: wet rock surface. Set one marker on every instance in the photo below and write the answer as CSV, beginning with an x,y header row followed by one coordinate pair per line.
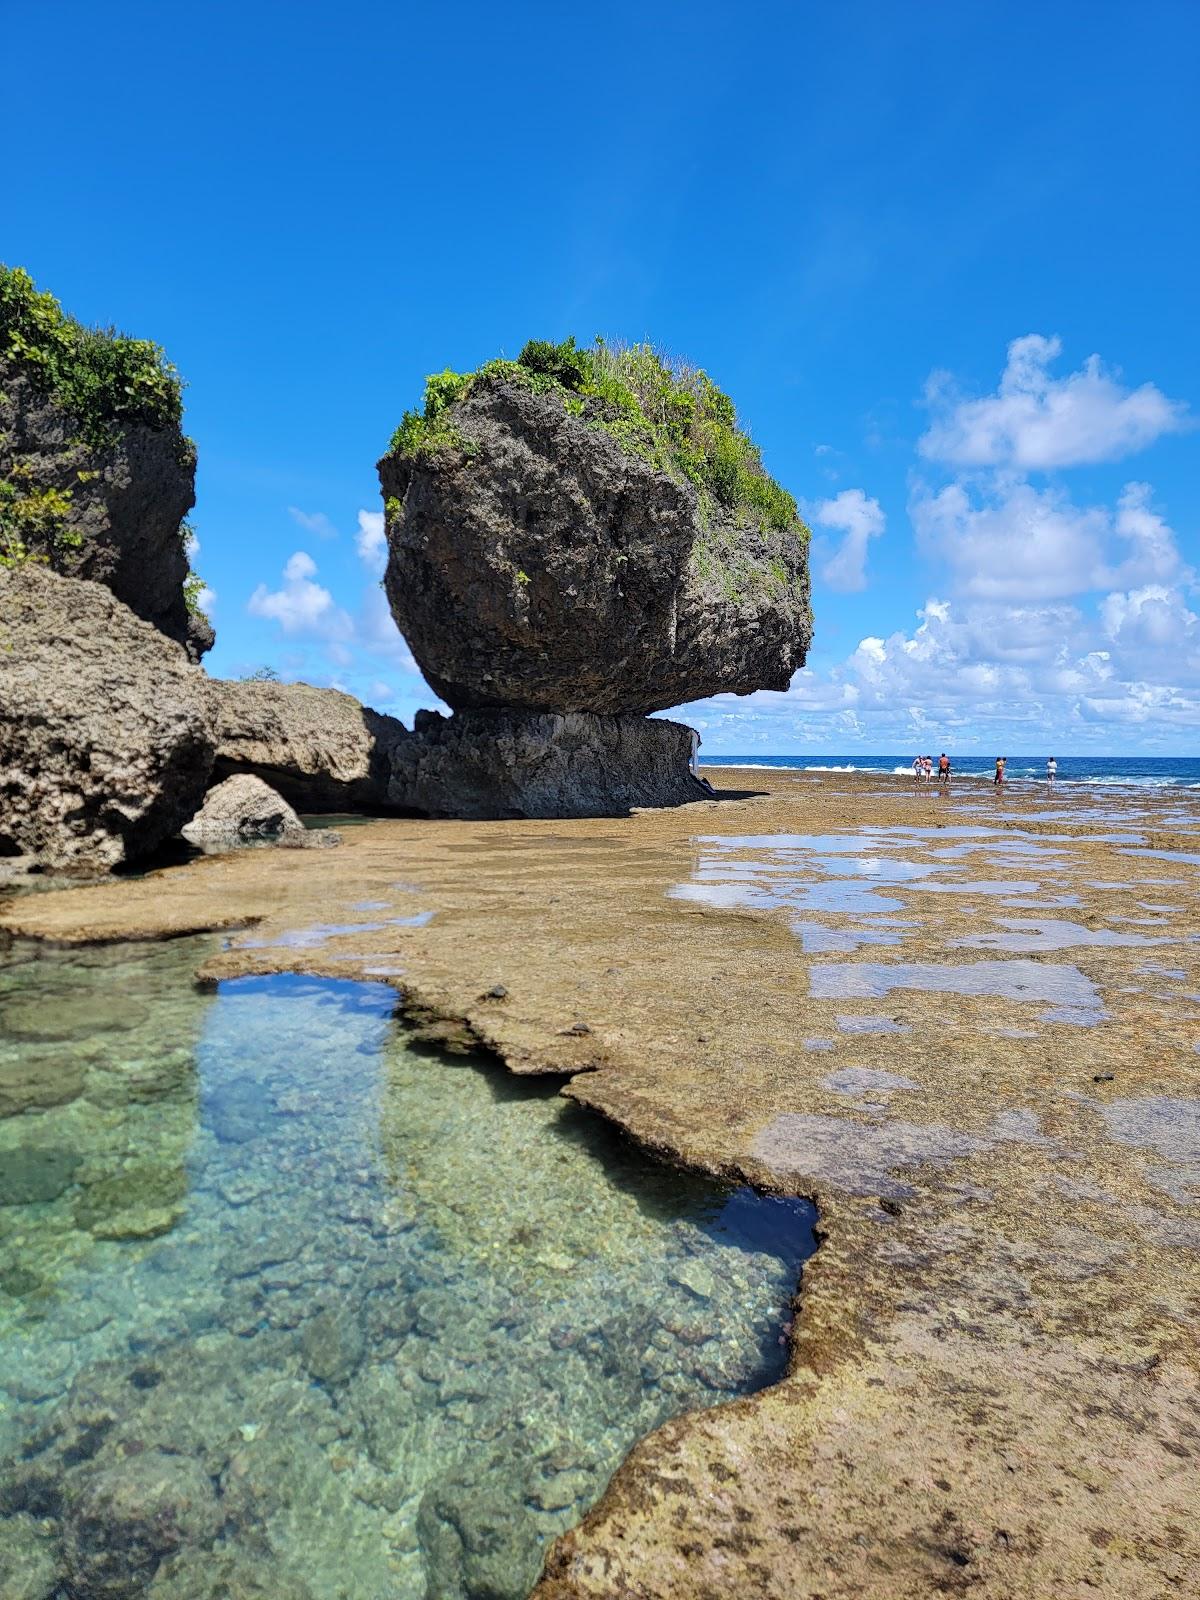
x,y
106,734
578,576
126,502
319,748
480,764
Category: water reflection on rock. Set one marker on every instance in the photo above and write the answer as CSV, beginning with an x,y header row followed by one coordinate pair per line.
x,y
289,1309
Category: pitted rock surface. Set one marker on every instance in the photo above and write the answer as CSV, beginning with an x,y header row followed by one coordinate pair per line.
x,y
319,748
542,568
127,507
106,731
243,807
481,764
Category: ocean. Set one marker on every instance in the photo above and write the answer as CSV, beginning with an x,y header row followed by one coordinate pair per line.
x,y
1141,772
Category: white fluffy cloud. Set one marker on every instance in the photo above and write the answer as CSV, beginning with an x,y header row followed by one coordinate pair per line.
x,y
1005,540
1036,422
859,519
301,606
313,522
371,541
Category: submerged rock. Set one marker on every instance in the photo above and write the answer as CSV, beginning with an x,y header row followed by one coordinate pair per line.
x,y
476,1543
508,764
96,475
557,546
124,1518
319,748
28,1561
242,808
106,734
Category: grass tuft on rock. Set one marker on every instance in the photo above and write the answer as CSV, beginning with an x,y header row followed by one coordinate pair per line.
x,y
103,378
663,410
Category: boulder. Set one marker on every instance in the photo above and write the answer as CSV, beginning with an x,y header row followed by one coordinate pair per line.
x,y
96,475
480,764
319,748
538,561
240,809
106,732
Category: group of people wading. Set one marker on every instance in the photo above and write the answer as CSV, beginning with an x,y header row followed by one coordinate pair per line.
x,y
923,769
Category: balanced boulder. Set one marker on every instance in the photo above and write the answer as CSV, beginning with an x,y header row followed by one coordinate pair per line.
x,y
106,732
589,530
96,475
319,748
482,764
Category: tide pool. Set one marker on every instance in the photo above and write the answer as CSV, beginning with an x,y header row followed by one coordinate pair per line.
x,y
291,1308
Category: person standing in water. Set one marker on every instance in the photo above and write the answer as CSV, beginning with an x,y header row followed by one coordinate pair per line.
x,y
999,778
943,768
1051,770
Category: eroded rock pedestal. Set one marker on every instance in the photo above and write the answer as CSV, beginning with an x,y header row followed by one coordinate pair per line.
x,y
482,764
556,585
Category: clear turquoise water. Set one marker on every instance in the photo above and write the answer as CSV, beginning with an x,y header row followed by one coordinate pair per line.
x,y
290,1309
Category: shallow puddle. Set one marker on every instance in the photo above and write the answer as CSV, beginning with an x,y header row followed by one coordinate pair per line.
x,y
289,1309
1073,996
1043,933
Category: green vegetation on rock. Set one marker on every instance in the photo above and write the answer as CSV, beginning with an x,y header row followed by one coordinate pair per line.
x,y
663,410
102,377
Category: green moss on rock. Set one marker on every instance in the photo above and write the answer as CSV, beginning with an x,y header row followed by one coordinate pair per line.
x,y
665,411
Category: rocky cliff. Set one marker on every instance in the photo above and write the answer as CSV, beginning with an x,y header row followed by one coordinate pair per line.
x,y
106,730
590,531
96,475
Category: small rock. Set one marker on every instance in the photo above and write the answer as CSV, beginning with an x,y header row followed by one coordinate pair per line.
x,y
332,1344
32,1176
695,1277
496,992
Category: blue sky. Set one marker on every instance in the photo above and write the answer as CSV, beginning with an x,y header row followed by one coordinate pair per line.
x,y
943,256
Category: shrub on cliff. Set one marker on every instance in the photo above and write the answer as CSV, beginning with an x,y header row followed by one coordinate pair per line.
x,y
666,411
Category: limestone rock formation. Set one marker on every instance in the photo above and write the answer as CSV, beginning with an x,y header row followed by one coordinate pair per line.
x,y
240,809
106,732
319,748
96,476
481,764
556,545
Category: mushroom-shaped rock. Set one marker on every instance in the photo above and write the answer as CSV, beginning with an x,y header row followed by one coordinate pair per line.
x,y
106,731
96,475
589,530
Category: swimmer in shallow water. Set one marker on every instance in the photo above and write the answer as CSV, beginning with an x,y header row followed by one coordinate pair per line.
x,y
999,778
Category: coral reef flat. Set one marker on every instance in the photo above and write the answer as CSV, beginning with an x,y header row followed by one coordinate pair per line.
x,y
991,1385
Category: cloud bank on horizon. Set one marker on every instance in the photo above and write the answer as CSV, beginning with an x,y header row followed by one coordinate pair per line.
x,y
1051,618
1050,615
